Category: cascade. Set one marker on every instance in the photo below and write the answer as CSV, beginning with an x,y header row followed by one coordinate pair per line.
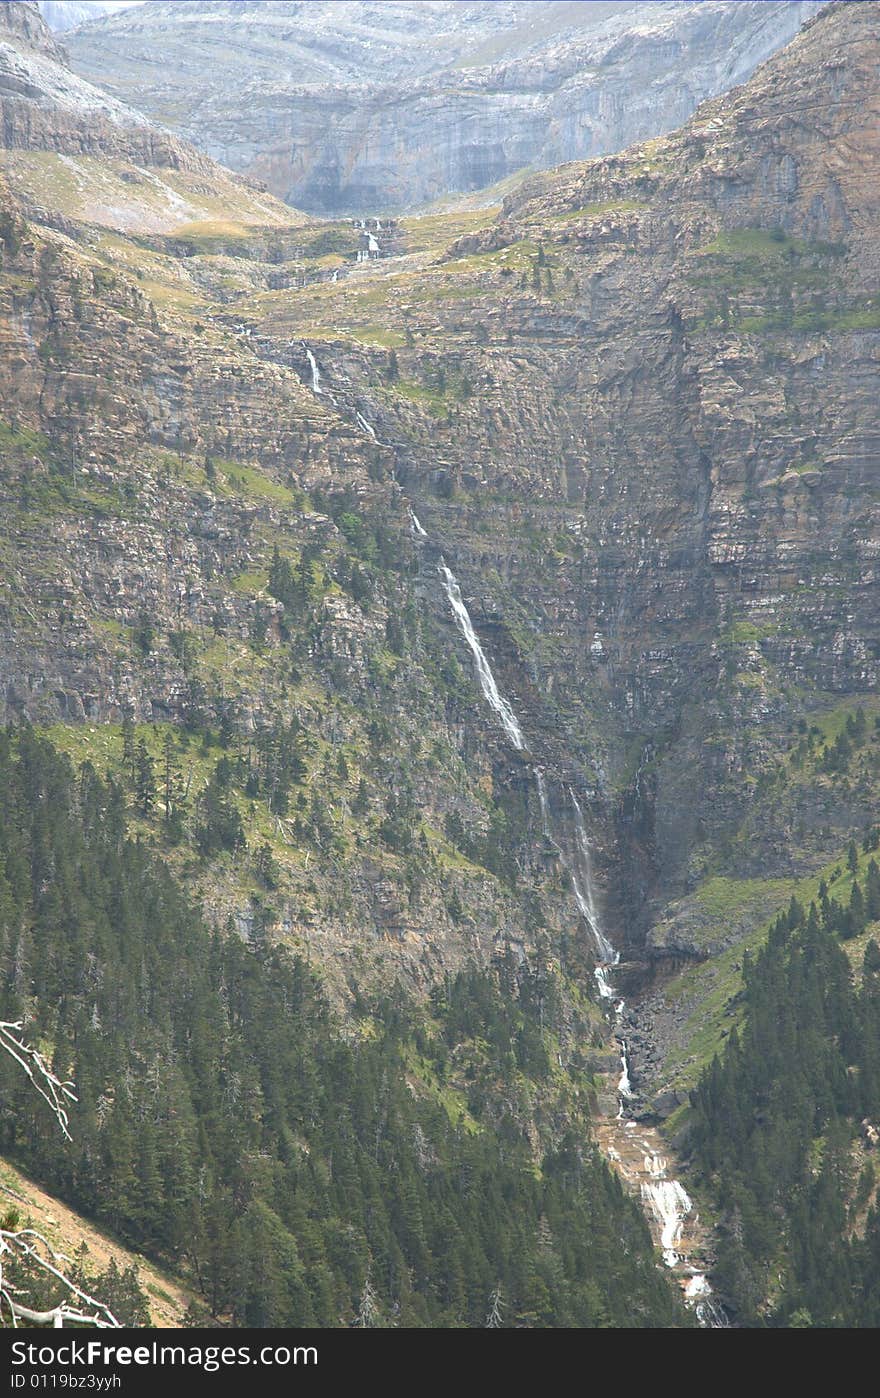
x,y
316,373
603,983
542,799
623,1083
670,1203
582,882
486,679
367,428
699,1293
665,1198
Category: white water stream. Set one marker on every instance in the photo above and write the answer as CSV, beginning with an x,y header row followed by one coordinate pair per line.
x,y
623,1083
584,888
541,784
316,373
497,703
670,1204
666,1199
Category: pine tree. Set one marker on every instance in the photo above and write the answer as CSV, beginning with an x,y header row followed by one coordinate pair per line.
x,y
144,780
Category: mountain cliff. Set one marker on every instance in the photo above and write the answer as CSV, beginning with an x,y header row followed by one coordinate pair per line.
x,y
375,107
632,410
676,348
67,14
79,153
646,553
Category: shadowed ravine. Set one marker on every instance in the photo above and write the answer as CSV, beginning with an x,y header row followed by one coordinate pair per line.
x,y
637,1152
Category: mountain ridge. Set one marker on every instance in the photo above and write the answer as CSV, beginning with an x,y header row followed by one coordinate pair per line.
x,y
366,108
633,410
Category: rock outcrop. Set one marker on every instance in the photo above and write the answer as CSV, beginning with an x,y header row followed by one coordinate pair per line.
x,y
368,107
61,15
635,413
45,106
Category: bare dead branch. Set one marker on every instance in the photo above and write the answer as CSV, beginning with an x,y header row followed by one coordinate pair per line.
x,y
50,1087
27,1246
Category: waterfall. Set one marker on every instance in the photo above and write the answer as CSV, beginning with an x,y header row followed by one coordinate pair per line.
x,y
603,983
365,425
582,872
542,799
698,1293
372,245
316,373
670,1204
624,1088
494,699
582,885
667,1199
582,882
623,1083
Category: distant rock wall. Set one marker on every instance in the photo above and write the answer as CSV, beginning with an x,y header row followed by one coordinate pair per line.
x,y
45,106
567,84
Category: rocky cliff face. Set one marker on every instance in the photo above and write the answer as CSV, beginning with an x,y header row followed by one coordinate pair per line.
x,y
366,107
45,106
79,154
61,15
153,457
634,413
637,412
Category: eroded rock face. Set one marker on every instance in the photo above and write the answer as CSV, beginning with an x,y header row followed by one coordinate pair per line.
x,y
61,15
361,107
23,26
661,468
45,106
636,415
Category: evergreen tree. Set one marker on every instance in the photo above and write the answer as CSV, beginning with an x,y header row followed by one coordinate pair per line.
x,y
144,779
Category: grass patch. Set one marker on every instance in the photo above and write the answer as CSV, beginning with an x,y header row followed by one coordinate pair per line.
x,y
250,582
22,441
250,482
609,206
709,990
721,897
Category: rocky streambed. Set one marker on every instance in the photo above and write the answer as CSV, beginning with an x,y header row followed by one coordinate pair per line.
x,y
630,1139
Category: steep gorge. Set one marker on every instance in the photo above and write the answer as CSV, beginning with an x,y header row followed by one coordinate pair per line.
x,y
633,412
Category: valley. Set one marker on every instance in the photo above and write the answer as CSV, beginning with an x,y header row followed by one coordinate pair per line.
x,y
477,606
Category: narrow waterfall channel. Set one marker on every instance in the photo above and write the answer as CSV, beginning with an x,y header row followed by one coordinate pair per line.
x,y
486,679
316,373
633,1149
541,784
582,882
